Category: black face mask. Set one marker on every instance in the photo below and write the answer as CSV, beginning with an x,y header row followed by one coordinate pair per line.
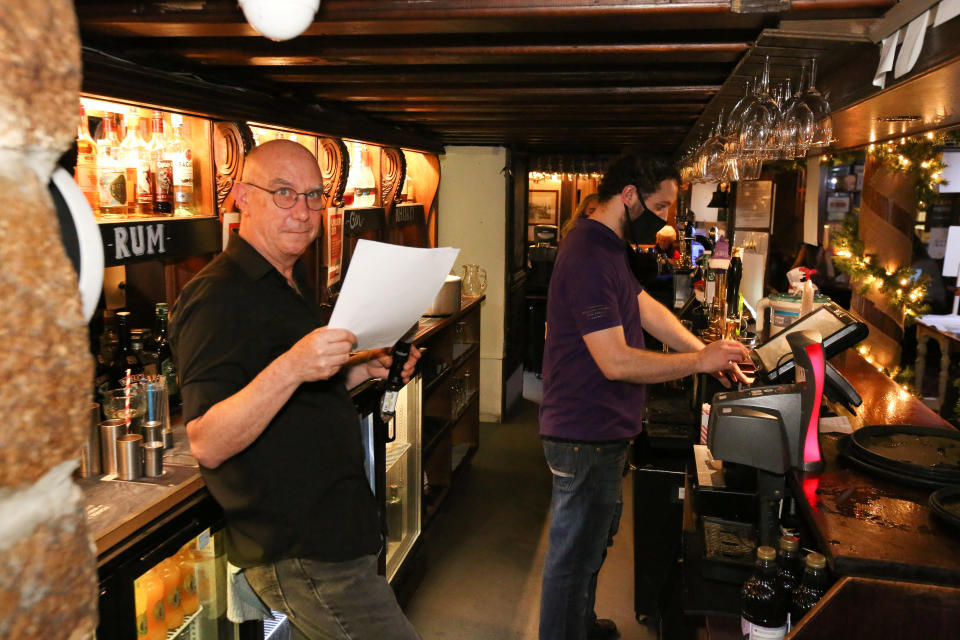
x,y
644,229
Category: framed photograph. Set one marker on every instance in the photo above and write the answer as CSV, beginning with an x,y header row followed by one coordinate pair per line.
x,y
754,204
542,208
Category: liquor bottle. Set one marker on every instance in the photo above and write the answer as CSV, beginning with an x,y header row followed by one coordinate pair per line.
x,y
111,172
86,170
394,514
180,154
763,607
160,353
126,356
734,275
107,371
813,585
789,564
137,158
161,167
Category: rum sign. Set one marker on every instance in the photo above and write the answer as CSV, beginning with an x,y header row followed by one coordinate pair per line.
x,y
172,238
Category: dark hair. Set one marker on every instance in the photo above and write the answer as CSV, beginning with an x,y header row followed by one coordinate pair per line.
x,y
644,172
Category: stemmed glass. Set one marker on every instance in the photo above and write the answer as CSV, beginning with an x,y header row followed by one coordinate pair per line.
x,y
797,130
758,124
823,122
713,153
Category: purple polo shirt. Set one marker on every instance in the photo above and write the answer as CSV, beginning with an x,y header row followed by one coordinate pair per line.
x,y
591,288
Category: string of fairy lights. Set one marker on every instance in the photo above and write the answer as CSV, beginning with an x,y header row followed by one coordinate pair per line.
x,y
540,176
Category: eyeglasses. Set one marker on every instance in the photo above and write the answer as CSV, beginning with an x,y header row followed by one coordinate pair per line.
x,y
286,198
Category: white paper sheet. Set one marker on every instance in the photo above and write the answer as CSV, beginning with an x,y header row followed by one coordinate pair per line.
x,y
387,289
888,49
946,10
912,44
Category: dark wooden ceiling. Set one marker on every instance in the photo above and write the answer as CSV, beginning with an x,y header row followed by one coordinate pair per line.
x,y
548,76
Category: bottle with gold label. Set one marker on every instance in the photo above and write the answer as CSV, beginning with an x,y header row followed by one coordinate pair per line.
x,y
181,156
137,161
111,172
86,171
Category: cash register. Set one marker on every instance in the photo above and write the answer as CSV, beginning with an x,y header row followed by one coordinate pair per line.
x,y
762,432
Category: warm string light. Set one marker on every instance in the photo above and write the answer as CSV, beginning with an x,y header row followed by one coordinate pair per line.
x,y
540,176
902,377
903,289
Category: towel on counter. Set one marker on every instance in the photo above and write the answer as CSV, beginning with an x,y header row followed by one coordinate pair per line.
x,y
243,603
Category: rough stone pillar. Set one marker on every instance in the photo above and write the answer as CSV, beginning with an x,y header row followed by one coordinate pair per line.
x,y
48,582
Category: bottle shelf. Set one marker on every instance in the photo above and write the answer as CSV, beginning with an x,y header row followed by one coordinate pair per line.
x,y
444,373
447,425
187,630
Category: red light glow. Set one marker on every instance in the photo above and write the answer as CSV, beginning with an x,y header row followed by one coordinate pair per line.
x,y
811,444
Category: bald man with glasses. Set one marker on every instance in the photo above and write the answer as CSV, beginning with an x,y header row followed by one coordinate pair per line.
x,y
269,416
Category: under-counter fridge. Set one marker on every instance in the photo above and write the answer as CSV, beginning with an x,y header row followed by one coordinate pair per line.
x,y
170,581
393,458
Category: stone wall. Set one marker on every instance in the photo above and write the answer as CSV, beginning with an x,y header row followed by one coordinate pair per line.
x,y
48,583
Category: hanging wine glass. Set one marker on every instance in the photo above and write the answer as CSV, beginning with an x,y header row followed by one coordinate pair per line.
x,y
714,153
758,121
798,126
823,122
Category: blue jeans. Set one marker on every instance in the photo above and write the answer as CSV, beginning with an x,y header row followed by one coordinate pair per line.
x,y
332,600
585,515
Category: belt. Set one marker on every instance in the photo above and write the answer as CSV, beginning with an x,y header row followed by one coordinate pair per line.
x,y
586,442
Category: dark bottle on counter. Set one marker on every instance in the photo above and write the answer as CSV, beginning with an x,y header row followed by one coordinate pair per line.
x,y
763,607
126,356
159,349
789,564
734,275
813,585
394,514
107,370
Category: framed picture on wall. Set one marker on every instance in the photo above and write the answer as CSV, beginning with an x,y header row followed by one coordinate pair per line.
x,y
754,204
542,207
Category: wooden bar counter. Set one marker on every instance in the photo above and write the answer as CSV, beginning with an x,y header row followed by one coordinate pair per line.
x,y
119,512
864,524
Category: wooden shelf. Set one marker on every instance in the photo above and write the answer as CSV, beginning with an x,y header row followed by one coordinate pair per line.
x,y
443,375
448,425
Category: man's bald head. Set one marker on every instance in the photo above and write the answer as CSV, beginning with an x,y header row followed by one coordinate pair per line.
x,y
274,154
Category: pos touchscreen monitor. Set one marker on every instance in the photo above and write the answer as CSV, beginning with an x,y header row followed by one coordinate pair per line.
x,y
840,331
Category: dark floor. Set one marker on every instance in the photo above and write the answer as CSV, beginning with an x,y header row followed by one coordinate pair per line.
x,y
484,562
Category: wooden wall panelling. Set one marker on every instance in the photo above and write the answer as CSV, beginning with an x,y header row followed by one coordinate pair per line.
x,y
886,226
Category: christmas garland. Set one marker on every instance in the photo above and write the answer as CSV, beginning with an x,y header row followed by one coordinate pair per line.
x,y
919,156
904,290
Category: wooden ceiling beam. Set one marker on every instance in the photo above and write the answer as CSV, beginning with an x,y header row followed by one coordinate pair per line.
x,y
481,108
214,53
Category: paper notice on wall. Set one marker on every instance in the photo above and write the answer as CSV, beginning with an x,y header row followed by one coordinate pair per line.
x,y
333,245
386,290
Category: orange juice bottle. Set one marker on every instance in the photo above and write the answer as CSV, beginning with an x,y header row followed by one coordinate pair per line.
x,y
170,573
140,605
189,600
152,587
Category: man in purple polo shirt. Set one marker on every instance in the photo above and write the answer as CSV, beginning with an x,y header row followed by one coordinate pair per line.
x,y
594,371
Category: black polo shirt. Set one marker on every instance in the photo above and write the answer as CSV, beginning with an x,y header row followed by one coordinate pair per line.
x,y
300,489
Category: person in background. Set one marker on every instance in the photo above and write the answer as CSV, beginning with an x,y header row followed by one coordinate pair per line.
x,y
666,243
587,206
269,416
594,371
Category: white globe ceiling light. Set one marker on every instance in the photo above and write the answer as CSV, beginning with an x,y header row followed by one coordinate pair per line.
x,y
280,19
